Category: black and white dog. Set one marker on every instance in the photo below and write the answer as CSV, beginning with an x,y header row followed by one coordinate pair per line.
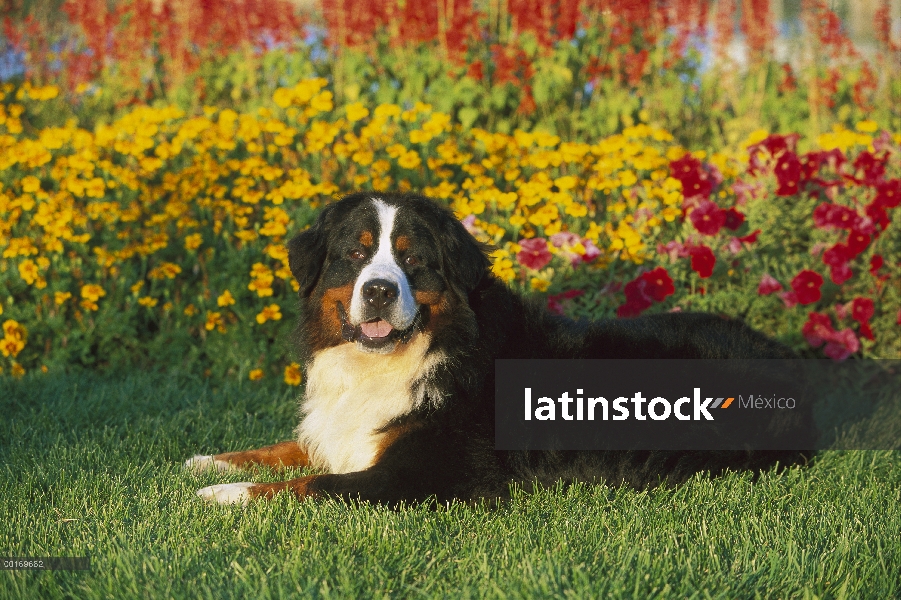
x,y
401,321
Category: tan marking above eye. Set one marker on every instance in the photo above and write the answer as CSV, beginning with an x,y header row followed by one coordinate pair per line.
x,y
425,297
366,238
402,243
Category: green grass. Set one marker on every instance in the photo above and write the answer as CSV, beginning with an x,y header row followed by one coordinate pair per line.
x,y
91,465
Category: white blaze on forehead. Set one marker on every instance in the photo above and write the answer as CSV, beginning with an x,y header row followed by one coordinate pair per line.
x,y
384,266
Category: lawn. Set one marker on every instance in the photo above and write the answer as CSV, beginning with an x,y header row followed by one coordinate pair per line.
x,y
92,466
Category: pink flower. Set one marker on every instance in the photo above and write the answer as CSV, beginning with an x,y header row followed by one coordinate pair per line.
x,y
768,285
842,345
534,254
555,302
839,344
564,238
591,251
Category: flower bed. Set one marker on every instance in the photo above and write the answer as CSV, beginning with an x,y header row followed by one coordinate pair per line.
x,y
159,239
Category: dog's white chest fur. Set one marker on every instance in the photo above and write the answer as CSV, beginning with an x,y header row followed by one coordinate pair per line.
x,y
351,394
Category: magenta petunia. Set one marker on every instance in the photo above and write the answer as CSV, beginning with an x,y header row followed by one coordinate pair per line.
x,y
534,254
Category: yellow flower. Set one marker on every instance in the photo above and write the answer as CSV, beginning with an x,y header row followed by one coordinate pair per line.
x,y
410,160
148,301
292,374
92,292
30,184
270,313
213,321
225,299
192,242
17,370
255,375
28,271
864,126
166,270
61,297
540,284
190,310
356,111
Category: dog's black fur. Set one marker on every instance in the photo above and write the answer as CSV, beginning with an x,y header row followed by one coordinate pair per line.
x,y
442,447
445,448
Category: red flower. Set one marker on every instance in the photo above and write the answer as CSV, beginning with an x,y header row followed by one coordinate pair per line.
x,y
644,290
873,167
702,260
708,218
837,255
734,219
476,71
817,329
876,263
777,144
840,273
806,286
534,254
750,238
636,300
888,194
878,215
828,215
857,242
866,331
862,310
768,285
659,284
695,180
788,174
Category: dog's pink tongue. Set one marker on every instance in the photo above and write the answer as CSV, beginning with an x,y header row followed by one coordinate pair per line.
x,y
376,329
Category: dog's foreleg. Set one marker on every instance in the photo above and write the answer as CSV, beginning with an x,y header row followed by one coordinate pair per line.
x,y
276,456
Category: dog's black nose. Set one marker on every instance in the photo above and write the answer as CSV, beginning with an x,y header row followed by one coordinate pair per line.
x,y
379,293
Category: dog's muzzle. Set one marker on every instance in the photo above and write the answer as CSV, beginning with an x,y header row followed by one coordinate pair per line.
x,y
368,331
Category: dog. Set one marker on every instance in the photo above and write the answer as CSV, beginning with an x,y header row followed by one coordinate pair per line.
x,y
401,321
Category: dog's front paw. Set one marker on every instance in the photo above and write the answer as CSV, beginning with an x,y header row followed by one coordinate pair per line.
x,y
227,493
206,462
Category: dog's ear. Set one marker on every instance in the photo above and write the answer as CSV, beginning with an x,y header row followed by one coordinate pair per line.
x,y
466,259
306,255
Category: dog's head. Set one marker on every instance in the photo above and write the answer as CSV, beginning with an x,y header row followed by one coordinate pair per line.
x,y
376,269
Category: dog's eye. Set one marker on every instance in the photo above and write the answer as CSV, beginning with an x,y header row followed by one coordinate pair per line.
x,y
356,254
411,260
